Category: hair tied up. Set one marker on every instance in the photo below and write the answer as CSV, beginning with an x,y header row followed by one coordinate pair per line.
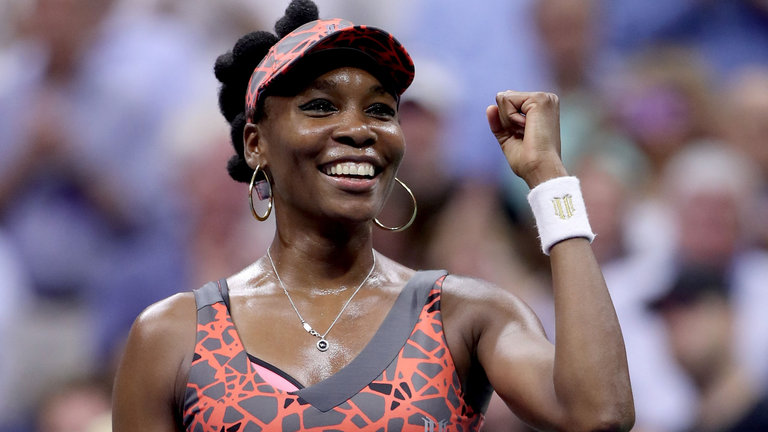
x,y
233,69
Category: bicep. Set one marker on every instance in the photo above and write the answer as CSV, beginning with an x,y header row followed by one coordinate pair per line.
x,y
519,362
145,384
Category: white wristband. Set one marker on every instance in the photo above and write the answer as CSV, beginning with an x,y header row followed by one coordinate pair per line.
x,y
559,210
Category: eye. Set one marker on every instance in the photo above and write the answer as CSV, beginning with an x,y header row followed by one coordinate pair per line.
x,y
381,110
318,106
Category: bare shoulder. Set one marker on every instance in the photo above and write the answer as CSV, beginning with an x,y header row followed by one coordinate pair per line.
x,y
154,366
167,319
163,337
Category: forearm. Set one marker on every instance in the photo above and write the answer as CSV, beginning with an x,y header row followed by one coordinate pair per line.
x,y
591,377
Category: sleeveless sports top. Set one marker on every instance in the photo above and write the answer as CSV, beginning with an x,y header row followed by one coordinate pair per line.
x,y
403,380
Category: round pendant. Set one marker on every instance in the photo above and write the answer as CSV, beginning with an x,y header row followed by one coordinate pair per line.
x,y
323,345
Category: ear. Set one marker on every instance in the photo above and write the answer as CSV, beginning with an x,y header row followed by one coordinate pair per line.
x,y
253,146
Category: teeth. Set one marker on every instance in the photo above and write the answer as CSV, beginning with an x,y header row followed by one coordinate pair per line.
x,y
351,168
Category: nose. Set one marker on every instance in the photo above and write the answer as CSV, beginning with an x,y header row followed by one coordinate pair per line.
x,y
354,130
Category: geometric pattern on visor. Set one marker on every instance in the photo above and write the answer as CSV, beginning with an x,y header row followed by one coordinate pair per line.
x,y
319,35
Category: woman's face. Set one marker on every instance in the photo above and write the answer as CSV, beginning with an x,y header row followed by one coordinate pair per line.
x,y
333,149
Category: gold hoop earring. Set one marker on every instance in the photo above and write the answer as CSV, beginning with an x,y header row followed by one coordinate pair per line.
x,y
262,194
413,216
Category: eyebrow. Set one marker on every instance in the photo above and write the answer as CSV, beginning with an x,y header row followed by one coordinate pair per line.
x,y
322,85
379,89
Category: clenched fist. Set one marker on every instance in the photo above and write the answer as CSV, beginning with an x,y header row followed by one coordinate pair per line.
x,y
527,126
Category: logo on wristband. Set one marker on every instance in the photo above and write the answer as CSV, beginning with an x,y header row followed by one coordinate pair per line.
x,y
564,208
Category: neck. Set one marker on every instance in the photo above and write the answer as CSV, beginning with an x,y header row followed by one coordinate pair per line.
x,y
322,257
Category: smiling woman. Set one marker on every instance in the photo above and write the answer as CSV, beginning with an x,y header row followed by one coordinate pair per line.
x,y
343,126
323,332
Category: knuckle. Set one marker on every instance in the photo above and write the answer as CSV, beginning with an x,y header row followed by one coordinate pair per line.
x,y
546,98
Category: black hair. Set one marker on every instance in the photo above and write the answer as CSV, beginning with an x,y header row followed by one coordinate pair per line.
x,y
234,68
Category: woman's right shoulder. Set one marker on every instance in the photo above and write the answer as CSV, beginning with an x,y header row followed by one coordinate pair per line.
x,y
169,319
155,361
165,330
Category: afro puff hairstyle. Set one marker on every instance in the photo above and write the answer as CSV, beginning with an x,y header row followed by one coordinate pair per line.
x,y
234,68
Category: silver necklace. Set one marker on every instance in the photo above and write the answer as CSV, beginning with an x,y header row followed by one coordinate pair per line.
x,y
322,344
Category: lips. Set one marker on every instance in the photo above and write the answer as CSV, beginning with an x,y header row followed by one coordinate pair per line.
x,y
355,177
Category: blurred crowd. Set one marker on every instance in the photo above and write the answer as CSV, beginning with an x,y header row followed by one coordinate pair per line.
x,y
114,193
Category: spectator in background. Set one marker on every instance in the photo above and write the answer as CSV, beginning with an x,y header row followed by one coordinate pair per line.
x,y
700,324
77,405
473,40
662,103
744,114
568,32
84,193
712,192
711,189
743,124
706,191
729,34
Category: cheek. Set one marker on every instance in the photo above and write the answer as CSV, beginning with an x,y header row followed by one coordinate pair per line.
x,y
287,146
392,142
286,131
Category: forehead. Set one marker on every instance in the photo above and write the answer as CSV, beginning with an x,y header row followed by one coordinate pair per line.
x,y
347,79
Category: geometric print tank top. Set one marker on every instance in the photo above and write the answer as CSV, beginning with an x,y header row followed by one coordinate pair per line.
x,y
403,380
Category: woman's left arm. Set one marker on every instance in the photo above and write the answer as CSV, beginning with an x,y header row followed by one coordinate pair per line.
x,y
588,374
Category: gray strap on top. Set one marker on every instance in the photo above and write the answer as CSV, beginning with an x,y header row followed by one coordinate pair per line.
x,y
207,295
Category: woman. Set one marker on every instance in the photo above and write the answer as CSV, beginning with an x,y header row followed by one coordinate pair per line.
x,y
323,333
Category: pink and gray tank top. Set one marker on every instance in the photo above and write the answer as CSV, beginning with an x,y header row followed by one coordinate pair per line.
x,y
403,380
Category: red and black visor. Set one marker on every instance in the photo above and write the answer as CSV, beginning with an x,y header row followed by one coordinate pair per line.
x,y
390,57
